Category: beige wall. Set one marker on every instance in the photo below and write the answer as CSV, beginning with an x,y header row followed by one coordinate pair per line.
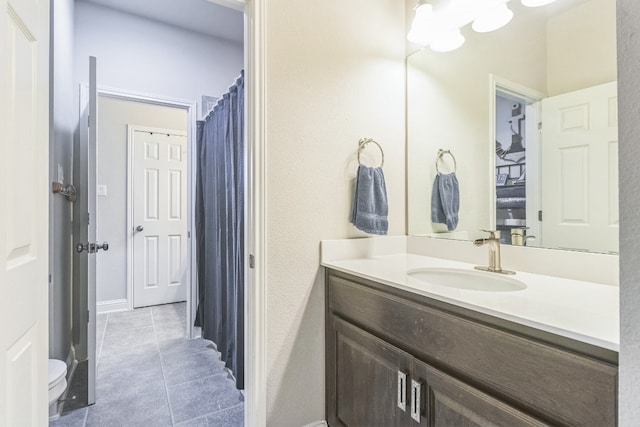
x,y
335,73
581,47
113,117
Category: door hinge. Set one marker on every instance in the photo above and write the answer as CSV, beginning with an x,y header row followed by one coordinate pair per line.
x,y
188,234
88,218
88,120
539,125
49,279
539,215
252,261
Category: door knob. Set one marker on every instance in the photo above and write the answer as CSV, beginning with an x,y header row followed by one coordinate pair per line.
x,y
139,228
104,246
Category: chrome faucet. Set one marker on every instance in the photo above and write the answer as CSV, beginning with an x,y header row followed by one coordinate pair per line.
x,y
494,252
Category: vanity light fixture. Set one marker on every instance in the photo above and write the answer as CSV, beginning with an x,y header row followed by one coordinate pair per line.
x,y
437,24
492,19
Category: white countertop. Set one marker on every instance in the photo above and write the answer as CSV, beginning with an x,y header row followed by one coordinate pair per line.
x,y
584,311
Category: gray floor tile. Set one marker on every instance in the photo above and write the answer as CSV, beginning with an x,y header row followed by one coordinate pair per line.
x,y
232,417
184,368
130,384
141,357
188,402
121,340
169,313
196,422
72,419
140,317
177,347
171,331
144,411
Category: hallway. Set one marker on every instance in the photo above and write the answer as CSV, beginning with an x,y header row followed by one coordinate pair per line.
x,y
149,374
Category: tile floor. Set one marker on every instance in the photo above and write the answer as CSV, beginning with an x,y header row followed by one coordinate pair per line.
x,y
148,374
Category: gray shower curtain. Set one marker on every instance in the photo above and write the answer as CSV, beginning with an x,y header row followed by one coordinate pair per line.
x,y
220,228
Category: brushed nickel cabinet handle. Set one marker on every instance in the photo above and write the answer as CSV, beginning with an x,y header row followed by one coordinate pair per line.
x,y
402,391
416,389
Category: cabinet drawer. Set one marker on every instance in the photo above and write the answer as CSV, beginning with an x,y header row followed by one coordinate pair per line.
x,y
554,384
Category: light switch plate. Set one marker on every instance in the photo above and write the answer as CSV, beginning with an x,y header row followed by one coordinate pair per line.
x,y
101,190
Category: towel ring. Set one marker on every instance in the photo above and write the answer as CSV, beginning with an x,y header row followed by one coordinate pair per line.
x,y
363,142
441,153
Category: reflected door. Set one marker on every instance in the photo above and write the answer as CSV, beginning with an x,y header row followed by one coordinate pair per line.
x,y
159,216
580,170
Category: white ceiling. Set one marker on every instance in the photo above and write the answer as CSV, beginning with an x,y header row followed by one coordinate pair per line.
x,y
195,15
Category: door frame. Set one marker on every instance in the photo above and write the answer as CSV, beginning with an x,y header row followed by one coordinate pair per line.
x,y
255,44
499,84
191,110
131,129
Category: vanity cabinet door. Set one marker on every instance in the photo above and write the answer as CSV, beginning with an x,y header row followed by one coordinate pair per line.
x,y
369,380
448,402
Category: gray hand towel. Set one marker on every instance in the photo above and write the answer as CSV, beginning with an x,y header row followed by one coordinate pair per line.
x,y
445,200
370,209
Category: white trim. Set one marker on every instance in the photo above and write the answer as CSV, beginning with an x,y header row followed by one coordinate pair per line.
x,y
112,305
496,84
317,424
131,130
256,283
239,5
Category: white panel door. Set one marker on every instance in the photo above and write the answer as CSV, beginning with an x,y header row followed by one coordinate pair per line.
x,y
159,216
84,229
580,170
24,208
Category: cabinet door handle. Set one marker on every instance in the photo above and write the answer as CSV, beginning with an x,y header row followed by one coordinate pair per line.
x,y
416,389
402,391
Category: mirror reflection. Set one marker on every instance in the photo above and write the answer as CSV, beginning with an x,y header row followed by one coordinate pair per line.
x,y
529,113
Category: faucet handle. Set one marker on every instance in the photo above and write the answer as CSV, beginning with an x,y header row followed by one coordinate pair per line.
x,y
493,234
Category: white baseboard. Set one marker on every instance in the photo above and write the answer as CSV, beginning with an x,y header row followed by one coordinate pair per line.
x,y
317,424
112,305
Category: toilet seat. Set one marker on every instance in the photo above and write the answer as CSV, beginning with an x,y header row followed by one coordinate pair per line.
x,y
57,372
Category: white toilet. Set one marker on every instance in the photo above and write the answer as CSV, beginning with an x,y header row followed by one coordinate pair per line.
x,y
57,385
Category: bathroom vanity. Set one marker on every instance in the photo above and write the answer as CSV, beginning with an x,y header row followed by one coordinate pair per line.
x,y
399,357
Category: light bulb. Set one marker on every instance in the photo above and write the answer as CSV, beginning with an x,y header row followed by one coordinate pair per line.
x,y
422,26
448,40
493,19
536,3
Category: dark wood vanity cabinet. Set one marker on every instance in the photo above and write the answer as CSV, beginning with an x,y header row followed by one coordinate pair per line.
x,y
398,359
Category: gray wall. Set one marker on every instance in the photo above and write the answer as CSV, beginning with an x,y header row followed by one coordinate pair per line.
x,y
142,55
111,225
629,134
63,121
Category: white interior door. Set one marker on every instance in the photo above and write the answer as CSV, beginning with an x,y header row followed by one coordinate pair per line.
x,y
84,230
159,217
24,207
580,170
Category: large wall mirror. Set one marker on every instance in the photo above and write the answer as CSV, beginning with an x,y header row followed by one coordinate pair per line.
x,y
529,113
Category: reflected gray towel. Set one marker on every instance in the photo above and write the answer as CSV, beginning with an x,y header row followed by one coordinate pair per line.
x,y
445,200
370,209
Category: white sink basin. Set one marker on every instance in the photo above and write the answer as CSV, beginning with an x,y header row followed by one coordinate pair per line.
x,y
471,280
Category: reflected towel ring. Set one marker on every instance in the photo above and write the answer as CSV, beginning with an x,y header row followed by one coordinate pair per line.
x,y
363,142
441,153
